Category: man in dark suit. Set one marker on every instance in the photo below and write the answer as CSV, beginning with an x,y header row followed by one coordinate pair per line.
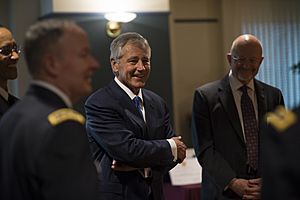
x,y
9,57
281,153
44,151
129,127
226,125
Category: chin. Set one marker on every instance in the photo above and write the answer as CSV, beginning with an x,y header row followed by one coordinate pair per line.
x,y
89,90
86,90
245,80
140,86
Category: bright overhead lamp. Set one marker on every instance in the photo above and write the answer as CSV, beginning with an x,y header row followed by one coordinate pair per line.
x,y
113,26
123,17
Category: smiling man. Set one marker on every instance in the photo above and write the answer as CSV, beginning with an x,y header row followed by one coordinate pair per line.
x,y
44,151
129,127
9,57
228,116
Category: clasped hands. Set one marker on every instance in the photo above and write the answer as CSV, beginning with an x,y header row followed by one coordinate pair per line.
x,y
247,189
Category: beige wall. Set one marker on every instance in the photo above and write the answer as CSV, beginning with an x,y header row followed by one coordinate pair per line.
x,y
196,52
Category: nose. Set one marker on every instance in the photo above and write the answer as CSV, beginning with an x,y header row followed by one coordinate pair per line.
x,y
140,65
14,55
248,64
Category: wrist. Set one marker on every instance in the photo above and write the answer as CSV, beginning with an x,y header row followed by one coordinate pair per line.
x,y
231,183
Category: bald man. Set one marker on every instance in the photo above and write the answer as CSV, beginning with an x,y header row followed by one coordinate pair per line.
x,y
44,151
227,122
9,57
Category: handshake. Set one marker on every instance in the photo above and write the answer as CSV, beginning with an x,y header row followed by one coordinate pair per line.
x,y
181,149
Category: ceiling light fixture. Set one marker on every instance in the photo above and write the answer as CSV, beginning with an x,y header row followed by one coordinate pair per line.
x,y
123,17
113,26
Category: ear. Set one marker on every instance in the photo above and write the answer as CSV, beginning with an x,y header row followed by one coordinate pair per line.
x,y
51,64
262,58
114,66
229,58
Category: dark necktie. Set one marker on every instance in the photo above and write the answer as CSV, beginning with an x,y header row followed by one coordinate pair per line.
x,y
250,128
145,172
137,102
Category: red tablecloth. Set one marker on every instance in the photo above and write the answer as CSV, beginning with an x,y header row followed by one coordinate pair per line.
x,y
185,192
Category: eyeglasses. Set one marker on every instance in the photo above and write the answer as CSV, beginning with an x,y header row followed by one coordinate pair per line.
x,y
7,50
242,61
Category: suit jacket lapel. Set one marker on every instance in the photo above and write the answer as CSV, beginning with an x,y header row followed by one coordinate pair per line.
x,y
149,113
227,100
121,97
261,102
4,106
127,105
12,99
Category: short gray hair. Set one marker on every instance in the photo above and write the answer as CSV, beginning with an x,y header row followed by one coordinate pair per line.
x,y
40,38
118,43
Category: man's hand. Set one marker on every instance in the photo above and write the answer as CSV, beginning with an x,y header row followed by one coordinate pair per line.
x,y
247,189
254,189
117,166
181,149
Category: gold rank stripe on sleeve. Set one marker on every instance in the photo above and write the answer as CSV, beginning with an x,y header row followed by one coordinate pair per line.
x,y
281,119
65,114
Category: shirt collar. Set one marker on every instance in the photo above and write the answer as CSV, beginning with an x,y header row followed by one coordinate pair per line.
x,y
236,84
127,90
55,90
4,93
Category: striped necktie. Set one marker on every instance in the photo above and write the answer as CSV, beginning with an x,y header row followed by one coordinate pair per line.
x,y
138,104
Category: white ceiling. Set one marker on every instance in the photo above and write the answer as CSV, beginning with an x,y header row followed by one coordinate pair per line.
x,y
103,6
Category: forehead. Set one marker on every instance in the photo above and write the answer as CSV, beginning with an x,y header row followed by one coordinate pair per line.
x,y
250,49
131,49
5,36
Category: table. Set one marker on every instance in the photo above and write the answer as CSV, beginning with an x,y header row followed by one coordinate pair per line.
x,y
185,192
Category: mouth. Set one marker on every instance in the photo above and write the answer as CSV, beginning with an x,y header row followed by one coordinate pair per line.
x,y
88,78
139,76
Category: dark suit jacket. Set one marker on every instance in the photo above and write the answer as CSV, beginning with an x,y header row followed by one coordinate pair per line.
x,y
218,137
5,105
42,161
281,175
117,131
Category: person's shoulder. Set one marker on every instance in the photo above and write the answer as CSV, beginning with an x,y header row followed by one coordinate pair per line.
x,y
64,115
150,94
210,86
97,95
282,119
267,86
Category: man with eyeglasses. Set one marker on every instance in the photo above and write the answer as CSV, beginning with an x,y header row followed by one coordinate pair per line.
x,y
228,116
9,57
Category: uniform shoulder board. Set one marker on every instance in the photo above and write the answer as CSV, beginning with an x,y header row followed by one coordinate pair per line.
x,y
281,118
65,114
